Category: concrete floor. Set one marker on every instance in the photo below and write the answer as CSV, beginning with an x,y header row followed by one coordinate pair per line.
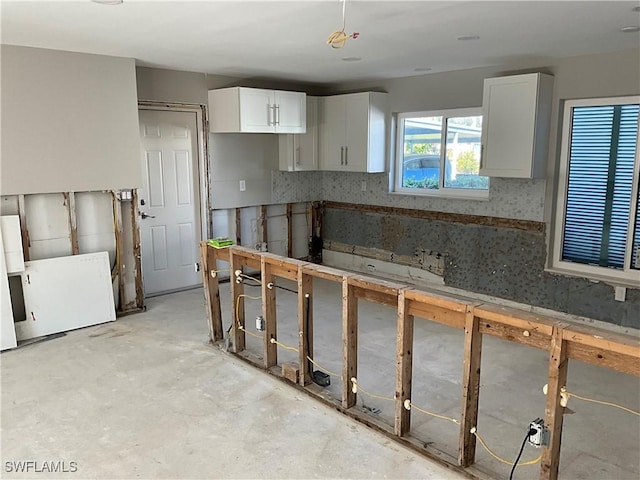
x,y
148,397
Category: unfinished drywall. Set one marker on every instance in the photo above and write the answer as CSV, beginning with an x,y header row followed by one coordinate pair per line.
x,y
499,261
69,122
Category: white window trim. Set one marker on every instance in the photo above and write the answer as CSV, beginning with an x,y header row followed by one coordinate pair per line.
x,y
461,193
626,276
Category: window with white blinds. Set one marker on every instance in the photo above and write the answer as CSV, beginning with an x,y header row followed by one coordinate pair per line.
x,y
597,224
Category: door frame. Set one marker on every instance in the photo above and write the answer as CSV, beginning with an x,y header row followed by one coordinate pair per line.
x,y
202,150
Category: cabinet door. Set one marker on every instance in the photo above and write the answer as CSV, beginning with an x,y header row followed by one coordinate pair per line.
x,y
299,152
332,124
509,111
256,110
357,132
290,112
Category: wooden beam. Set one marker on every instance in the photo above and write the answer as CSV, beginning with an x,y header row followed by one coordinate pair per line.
x,y
289,231
437,314
22,213
305,326
404,365
349,342
117,213
137,255
326,273
237,305
238,226
265,228
70,202
269,315
554,412
211,291
376,297
470,389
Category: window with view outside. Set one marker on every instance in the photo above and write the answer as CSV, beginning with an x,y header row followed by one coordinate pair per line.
x,y
441,152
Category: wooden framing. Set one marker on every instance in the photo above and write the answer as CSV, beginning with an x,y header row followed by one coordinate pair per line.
x,y
562,340
70,201
22,213
269,314
117,217
289,230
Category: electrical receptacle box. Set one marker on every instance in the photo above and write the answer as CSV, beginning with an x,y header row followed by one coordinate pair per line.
x,y
541,435
260,323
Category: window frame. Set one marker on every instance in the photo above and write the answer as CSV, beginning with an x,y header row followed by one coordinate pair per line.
x,y
441,191
627,275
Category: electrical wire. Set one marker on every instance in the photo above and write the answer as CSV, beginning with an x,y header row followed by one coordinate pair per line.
x,y
324,369
407,403
286,347
339,38
239,325
474,431
600,402
357,387
524,442
114,270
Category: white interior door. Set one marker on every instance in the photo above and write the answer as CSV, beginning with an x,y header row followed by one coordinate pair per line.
x,y
169,200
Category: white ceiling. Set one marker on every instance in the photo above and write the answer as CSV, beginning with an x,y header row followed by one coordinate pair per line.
x,y
286,40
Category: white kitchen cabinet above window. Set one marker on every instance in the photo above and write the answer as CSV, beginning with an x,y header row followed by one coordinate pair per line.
x,y
254,110
516,113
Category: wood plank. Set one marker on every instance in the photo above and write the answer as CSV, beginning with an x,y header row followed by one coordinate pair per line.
x,y
499,222
531,336
327,273
603,358
137,254
436,299
269,314
22,213
70,202
264,226
377,285
520,319
349,343
211,291
437,314
246,252
289,231
376,297
237,303
470,389
603,340
117,213
305,326
238,226
404,365
554,412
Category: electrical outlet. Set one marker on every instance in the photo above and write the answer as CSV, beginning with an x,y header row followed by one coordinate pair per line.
x,y
243,185
363,186
541,435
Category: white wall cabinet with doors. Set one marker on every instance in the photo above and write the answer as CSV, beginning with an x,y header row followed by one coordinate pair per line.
x,y
299,152
255,110
515,127
352,130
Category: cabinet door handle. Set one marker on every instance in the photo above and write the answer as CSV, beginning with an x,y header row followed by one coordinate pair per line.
x,y
269,110
341,155
298,156
276,109
346,155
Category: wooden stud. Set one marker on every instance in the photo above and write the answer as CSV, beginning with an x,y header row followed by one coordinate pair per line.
x,y
305,326
117,213
265,229
238,226
237,310
554,412
404,365
23,227
289,231
211,291
470,389
349,342
137,254
70,201
269,315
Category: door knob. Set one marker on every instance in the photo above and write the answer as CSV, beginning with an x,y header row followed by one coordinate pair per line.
x,y
144,215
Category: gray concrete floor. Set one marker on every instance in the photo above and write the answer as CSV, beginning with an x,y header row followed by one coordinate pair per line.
x,y
148,397
598,442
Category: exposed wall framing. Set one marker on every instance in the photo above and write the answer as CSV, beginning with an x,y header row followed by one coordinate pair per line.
x,y
562,340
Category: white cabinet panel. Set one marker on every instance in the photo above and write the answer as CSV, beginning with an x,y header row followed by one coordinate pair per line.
x,y
255,110
12,243
66,293
300,151
515,129
7,330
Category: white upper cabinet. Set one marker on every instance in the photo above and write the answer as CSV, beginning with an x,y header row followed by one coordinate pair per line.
x,y
254,110
300,152
353,132
515,126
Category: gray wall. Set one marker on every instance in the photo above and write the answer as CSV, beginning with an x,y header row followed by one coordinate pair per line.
x,y
69,122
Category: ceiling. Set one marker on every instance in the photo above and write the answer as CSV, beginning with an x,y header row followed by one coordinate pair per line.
x,y
287,40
